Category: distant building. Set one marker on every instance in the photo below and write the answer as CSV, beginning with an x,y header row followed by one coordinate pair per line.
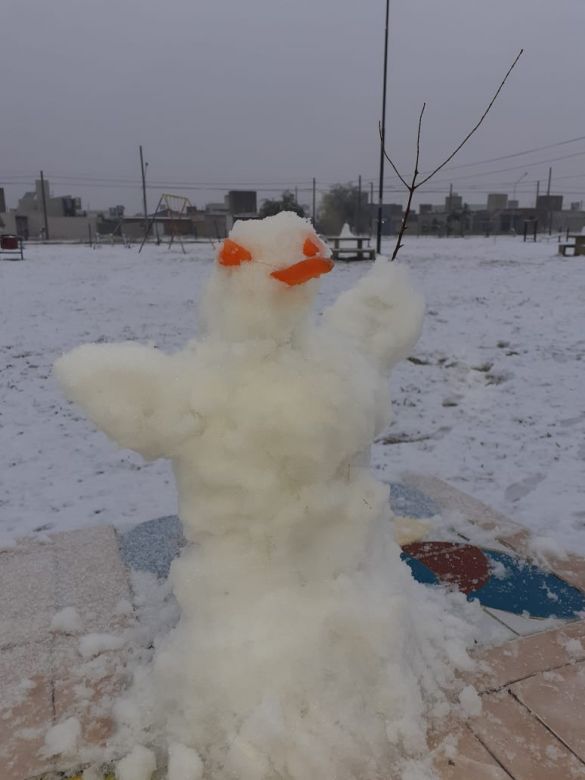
x,y
425,208
242,204
392,214
453,202
2,201
497,201
513,204
65,217
549,202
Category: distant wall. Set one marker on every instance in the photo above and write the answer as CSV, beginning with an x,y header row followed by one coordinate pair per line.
x,y
60,228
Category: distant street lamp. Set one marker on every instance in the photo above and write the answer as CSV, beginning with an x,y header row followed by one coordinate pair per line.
x,y
524,175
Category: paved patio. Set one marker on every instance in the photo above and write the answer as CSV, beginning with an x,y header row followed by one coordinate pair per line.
x,y
532,686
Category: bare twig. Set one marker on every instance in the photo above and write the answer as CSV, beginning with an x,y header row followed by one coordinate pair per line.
x,y
414,184
472,131
411,188
394,168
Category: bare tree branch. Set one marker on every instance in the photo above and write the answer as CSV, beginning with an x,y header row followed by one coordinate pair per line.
x,y
471,132
394,168
411,188
414,184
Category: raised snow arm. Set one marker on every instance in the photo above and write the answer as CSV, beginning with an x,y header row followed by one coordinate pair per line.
x,y
135,394
383,313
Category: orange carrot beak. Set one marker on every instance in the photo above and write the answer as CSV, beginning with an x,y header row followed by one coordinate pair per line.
x,y
299,273
311,267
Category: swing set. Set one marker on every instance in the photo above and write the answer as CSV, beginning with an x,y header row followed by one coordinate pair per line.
x,y
171,210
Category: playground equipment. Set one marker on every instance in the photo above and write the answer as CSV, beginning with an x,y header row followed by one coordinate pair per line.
x,y
170,211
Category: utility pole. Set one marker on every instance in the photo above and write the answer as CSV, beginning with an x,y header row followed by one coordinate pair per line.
x,y
371,209
537,192
548,196
383,135
44,199
359,208
145,207
314,200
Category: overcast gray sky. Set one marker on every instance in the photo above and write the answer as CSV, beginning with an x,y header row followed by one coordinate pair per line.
x,y
274,92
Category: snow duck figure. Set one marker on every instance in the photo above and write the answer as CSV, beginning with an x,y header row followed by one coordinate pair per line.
x,y
303,650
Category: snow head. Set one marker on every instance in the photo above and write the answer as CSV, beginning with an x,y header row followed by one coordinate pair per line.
x,y
264,282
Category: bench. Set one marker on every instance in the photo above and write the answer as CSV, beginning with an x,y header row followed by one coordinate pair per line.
x,y
365,253
351,248
577,245
11,245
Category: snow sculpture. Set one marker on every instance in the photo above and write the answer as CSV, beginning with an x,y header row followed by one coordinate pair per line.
x,y
297,655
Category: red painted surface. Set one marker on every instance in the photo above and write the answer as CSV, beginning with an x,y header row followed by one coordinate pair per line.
x,y
461,565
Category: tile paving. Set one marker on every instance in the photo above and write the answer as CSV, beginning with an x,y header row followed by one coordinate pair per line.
x,y
532,686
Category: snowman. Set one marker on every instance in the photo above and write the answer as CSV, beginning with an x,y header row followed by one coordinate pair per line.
x,y
296,655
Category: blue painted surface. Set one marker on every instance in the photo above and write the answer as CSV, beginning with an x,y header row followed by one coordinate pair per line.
x,y
522,588
407,500
526,588
153,545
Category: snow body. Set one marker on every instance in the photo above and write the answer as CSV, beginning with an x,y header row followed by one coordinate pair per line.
x,y
304,649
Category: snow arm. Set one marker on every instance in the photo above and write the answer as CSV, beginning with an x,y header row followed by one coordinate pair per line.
x,y
383,313
137,395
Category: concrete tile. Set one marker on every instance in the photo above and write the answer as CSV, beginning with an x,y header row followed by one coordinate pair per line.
x,y
529,655
26,710
556,698
89,570
463,757
521,744
572,570
85,688
27,594
524,626
450,498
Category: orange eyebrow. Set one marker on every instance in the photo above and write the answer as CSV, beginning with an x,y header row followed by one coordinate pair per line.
x,y
311,247
233,254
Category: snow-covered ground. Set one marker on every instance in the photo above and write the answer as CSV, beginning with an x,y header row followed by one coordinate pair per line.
x,y
493,401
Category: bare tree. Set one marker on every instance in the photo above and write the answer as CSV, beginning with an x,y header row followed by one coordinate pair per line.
x,y
415,183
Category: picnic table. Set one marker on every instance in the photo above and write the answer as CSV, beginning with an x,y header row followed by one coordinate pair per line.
x,y
351,247
576,242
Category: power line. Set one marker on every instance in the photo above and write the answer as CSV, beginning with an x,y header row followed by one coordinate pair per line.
x,y
517,154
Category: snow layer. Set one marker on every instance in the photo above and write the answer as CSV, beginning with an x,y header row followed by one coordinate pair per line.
x,y
139,764
497,402
67,621
63,738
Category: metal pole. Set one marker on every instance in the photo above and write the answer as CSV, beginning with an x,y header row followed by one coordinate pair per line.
x,y
314,200
549,208
537,192
371,208
359,207
383,135
145,207
45,207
